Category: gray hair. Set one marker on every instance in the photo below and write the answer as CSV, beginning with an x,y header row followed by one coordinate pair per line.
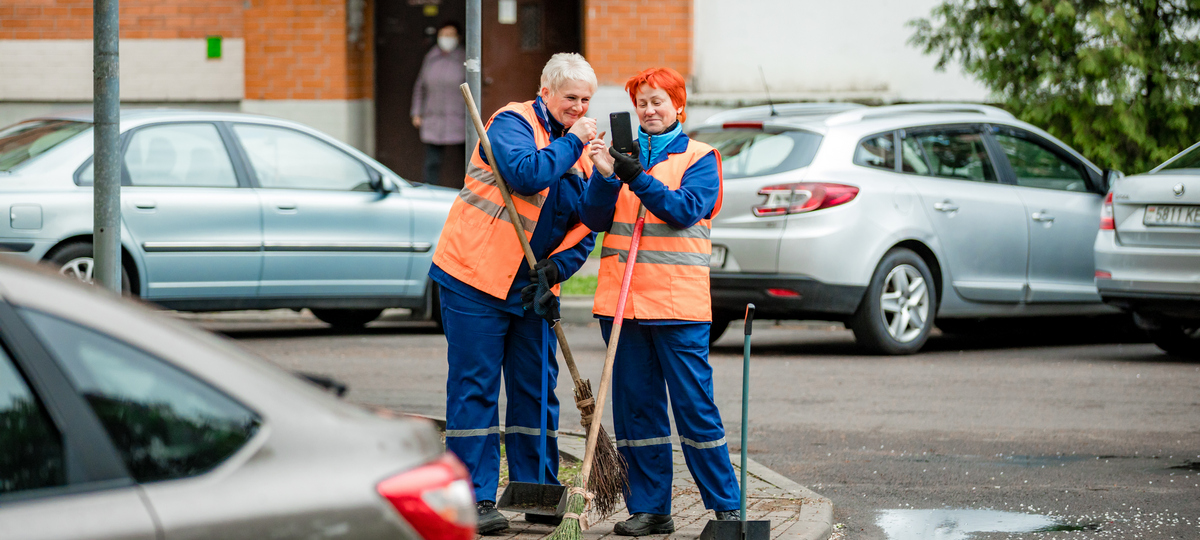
x,y
564,67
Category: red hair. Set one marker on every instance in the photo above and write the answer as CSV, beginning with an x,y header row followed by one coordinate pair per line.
x,y
665,79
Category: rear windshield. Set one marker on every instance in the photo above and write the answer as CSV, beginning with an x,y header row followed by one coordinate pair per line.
x,y
22,142
759,152
1188,160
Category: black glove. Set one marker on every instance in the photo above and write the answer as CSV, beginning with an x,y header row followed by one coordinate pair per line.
x,y
539,297
626,167
545,267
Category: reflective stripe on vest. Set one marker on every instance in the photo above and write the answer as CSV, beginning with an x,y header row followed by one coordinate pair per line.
x,y
671,277
478,246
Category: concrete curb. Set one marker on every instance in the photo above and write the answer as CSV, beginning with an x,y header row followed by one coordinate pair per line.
x,y
576,309
815,519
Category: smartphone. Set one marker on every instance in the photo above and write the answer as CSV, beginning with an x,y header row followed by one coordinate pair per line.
x,y
622,132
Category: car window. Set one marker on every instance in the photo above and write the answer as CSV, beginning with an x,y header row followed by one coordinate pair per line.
x,y
24,141
912,159
1187,160
1039,167
877,151
757,152
165,423
191,155
31,450
957,154
285,158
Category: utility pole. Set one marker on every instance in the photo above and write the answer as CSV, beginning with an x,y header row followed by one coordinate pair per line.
x,y
474,73
106,190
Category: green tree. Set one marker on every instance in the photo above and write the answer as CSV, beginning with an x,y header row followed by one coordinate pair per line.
x,y
1119,80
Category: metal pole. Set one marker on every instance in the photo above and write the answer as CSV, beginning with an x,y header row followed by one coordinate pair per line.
x,y
473,65
106,191
746,407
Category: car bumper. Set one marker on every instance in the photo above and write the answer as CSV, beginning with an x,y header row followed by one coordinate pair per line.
x,y
1151,281
812,299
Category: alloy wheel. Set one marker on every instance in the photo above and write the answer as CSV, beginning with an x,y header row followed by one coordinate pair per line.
x,y
905,303
80,268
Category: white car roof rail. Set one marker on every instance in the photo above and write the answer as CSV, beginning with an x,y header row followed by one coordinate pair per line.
x,y
784,110
916,108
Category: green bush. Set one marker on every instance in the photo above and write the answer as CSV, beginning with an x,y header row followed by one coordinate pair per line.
x,y
1117,80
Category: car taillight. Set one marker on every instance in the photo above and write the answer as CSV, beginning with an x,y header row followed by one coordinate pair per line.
x,y
1103,274
785,199
436,499
1106,215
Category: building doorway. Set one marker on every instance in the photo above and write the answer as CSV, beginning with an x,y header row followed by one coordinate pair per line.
x,y
519,36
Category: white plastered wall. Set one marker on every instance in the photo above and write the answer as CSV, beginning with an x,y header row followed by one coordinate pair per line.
x,y
49,70
819,50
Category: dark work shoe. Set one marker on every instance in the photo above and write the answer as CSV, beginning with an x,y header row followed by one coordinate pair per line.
x,y
491,521
543,519
729,515
642,524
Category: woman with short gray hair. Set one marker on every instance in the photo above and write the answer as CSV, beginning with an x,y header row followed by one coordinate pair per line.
x,y
481,272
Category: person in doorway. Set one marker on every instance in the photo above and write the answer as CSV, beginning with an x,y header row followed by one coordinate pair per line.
x,y
437,104
481,271
664,339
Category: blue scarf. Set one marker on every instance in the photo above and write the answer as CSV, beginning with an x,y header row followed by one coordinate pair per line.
x,y
661,142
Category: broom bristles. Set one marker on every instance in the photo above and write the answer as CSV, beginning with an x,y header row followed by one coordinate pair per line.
x,y
609,477
570,528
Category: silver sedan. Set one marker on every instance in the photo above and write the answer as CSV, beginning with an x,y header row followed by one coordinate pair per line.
x,y
1148,251
224,211
116,422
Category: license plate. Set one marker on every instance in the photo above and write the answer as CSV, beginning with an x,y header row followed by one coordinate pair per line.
x,y
1172,216
718,257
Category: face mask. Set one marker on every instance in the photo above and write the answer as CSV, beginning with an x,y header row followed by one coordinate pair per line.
x,y
447,43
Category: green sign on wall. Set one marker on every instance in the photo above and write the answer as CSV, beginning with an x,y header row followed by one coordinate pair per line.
x,y
214,46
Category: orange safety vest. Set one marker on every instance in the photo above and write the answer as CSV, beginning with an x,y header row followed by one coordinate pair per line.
x,y
478,245
670,280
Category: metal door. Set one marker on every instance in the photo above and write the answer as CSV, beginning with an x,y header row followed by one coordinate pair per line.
x,y
1062,212
187,208
979,222
327,233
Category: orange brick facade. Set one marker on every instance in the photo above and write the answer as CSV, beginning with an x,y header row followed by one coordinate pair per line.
x,y
295,49
623,37
298,49
140,19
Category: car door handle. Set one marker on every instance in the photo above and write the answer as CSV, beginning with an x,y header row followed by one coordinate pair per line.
x,y
145,205
1043,217
285,205
945,206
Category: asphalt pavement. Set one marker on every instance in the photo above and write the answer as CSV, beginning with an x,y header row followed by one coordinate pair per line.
x,y
1074,432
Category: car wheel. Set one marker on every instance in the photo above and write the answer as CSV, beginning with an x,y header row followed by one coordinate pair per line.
x,y
347,319
1178,339
896,314
720,323
76,260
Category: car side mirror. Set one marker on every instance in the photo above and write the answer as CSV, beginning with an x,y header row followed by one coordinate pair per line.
x,y
1108,178
382,184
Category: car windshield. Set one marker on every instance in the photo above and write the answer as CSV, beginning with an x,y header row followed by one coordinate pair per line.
x,y
24,141
759,152
1187,160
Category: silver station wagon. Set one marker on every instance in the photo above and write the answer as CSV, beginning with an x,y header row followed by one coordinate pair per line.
x,y
894,219
226,211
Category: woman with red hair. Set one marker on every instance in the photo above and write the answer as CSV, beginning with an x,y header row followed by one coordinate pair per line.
x,y
668,315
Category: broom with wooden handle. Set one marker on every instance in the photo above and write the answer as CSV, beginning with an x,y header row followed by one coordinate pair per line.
x,y
572,524
611,475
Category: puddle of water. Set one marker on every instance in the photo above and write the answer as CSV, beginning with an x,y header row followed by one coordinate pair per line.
x,y
960,524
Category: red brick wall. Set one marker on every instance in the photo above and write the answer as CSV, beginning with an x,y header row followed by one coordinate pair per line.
x,y
297,49
140,19
623,37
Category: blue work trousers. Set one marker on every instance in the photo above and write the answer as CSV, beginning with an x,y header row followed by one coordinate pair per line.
x,y
653,360
485,344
